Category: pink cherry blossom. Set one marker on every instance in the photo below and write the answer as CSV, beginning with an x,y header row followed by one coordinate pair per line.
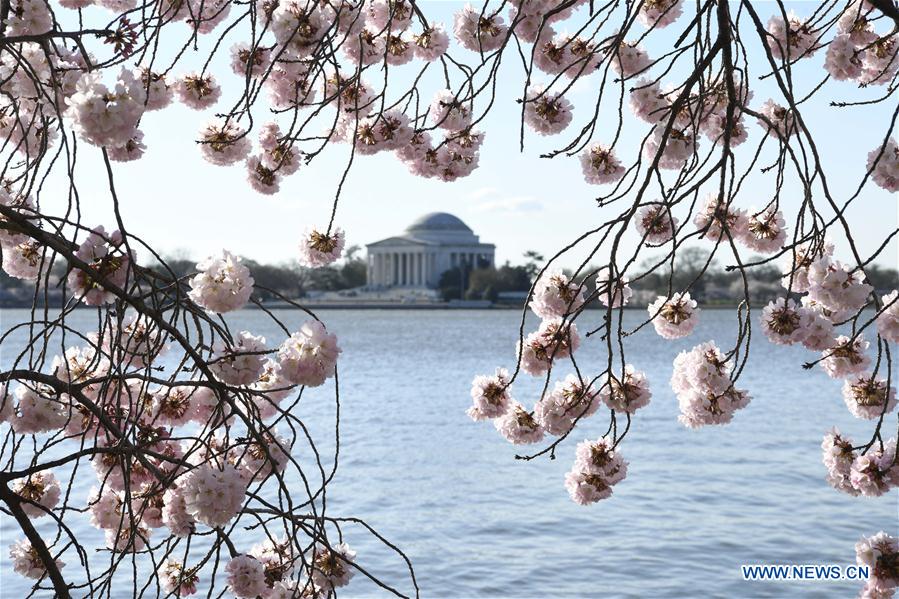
x,y
868,397
213,495
174,513
880,554
659,13
198,91
27,562
519,426
246,577
333,567
490,395
108,262
174,579
884,166
556,339
41,488
674,317
600,165
875,472
613,291
431,43
319,249
223,283
309,356
38,411
223,143
655,223
479,33
715,216
555,295
843,61
705,392
570,401
764,231
239,363
846,357
838,456
106,116
648,102
792,38
626,393
597,468
546,112
23,258
784,322
837,286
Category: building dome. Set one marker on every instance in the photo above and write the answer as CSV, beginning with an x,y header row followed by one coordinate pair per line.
x,y
438,221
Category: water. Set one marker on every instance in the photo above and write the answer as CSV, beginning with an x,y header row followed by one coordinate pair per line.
x,y
477,523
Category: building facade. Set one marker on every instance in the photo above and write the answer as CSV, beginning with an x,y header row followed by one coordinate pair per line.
x,y
430,246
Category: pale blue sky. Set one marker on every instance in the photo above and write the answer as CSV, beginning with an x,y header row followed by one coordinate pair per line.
x,y
179,202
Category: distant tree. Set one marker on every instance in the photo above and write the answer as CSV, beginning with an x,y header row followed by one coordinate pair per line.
x,y
533,264
354,271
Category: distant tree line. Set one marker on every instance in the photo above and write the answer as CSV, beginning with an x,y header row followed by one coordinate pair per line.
x,y
485,282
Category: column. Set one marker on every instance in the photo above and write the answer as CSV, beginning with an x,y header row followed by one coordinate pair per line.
x,y
394,268
405,268
419,269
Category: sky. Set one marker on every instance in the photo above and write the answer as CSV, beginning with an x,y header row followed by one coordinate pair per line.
x,y
189,208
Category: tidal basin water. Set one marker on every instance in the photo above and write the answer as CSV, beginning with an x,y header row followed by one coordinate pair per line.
x,y
477,523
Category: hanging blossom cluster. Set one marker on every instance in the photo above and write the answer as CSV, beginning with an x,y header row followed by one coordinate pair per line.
x,y
178,457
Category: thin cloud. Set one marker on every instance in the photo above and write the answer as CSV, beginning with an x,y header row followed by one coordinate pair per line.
x,y
509,204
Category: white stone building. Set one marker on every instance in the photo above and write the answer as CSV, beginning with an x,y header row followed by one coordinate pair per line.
x,y
432,245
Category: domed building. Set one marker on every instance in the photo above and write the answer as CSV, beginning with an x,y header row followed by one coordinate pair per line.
x,y
430,246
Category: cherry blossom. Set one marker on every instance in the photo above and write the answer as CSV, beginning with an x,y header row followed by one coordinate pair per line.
x,y
705,392
309,356
518,426
888,319
107,263
223,283
479,33
765,231
570,401
792,38
23,258
838,456
546,112
883,162
880,554
198,91
597,468
176,580
656,224
246,577
213,496
27,562
490,395
555,339
431,43
319,249
333,567
867,396
784,322
613,291
223,143
600,165
38,411
674,317
104,116
875,472
648,102
660,13
40,488
626,393
837,286
555,295
717,219
239,363
846,357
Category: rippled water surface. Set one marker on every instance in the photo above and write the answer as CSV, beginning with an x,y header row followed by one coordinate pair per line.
x,y
477,523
